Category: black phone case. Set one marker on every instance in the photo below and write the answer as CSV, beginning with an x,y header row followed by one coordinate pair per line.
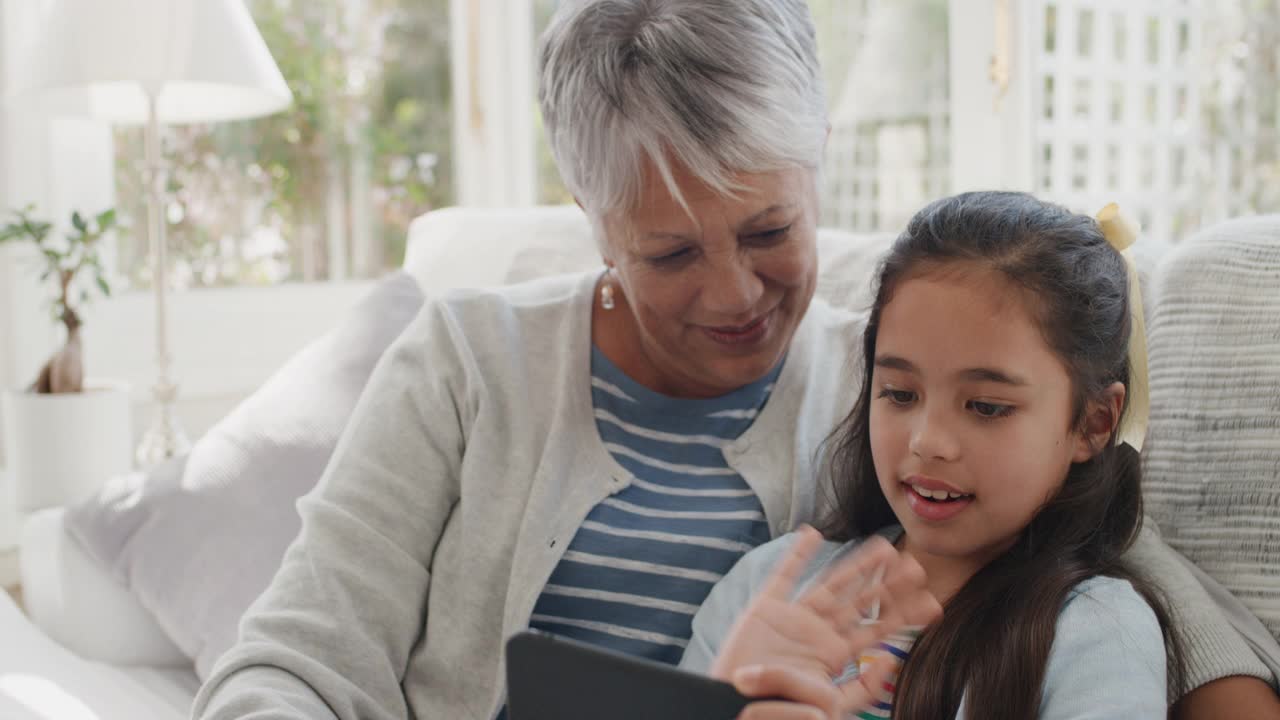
x,y
554,678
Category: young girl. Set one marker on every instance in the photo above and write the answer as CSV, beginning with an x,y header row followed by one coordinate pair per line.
x,y
985,445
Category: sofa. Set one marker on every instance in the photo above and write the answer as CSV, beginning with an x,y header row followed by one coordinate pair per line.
x,y
110,628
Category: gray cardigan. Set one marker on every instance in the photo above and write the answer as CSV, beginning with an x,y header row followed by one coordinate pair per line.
x,y
468,465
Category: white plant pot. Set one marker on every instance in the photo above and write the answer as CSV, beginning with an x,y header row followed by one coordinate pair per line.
x,y
60,448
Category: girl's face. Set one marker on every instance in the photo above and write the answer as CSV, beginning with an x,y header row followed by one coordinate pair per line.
x,y
970,421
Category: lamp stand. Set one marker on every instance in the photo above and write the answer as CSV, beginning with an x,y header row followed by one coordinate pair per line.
x,y
165,438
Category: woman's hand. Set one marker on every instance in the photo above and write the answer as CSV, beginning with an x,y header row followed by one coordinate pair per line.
x,y
1236,696
792,647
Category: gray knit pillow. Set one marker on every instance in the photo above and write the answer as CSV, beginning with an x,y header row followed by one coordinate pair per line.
x,y
1212,459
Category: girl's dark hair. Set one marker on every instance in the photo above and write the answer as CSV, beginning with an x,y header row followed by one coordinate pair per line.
x,y
994,645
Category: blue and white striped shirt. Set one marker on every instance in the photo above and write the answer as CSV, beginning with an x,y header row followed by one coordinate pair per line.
x,y
645,559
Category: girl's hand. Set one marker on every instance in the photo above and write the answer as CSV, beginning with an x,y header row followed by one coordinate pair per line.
x,y
804,696
796,645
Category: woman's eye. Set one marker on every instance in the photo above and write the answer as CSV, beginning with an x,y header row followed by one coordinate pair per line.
x,y
769,237
989,411
898,397
672,258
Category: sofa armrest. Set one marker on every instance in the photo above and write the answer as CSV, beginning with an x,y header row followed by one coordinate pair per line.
x,y
78,604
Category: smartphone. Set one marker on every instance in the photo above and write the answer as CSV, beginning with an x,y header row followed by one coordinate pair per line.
x,y
555,678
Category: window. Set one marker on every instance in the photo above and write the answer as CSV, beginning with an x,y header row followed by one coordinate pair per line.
x,y
325,190
1168,107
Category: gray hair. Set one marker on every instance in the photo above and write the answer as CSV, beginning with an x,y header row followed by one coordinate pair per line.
x,y
724,86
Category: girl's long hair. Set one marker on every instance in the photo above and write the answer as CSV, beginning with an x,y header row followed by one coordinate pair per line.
x,y
993,646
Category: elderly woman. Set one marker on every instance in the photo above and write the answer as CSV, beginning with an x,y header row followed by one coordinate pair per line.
x,y
588,455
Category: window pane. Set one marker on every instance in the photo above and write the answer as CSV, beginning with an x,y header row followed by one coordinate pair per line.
x,y
1190,136
886,67
324,190
551,189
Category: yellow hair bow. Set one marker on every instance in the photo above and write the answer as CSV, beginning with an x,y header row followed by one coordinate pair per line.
x,y
1121,233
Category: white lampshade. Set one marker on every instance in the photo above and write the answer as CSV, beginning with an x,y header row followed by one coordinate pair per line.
x,y
203,59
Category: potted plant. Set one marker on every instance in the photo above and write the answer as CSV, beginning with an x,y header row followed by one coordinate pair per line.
x,y
63,434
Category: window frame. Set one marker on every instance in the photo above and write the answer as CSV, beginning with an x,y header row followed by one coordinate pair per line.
x,y
990,143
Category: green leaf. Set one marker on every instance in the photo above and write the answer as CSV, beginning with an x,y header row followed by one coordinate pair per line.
x,y
103,286
36,230
106,219
78,223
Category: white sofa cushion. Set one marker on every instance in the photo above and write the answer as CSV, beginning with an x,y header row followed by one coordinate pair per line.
x,y
42,680
198,538
1212,459
76,601
472,247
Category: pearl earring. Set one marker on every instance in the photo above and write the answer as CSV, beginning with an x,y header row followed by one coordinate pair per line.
x,y
606,295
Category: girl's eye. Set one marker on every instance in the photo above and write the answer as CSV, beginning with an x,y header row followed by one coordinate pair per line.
x,y
898,397
990,411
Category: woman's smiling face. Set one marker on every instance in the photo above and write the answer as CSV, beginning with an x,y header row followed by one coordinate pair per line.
x,y
714,293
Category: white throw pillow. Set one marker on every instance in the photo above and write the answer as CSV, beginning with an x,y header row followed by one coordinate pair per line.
x,y
199,538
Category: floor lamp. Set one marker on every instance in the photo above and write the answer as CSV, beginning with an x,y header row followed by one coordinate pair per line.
x,y
154,62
